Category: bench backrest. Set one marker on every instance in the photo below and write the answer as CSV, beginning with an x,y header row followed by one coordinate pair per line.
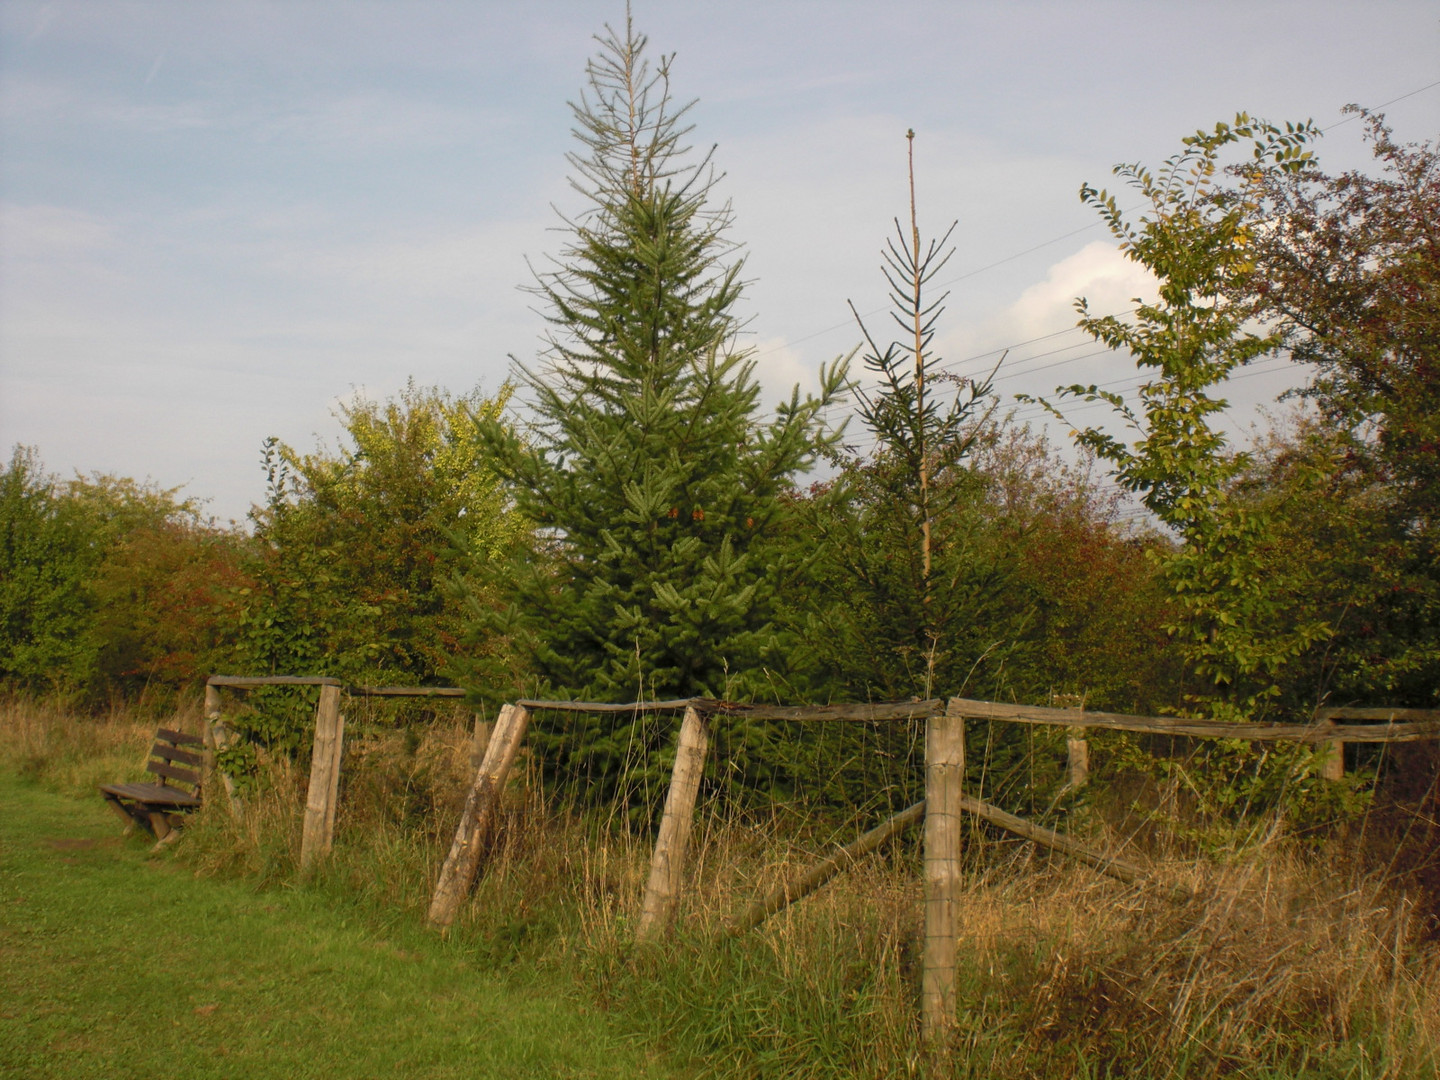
x,y
172,752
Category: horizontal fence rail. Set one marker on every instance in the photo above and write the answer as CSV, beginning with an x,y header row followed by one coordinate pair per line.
x,y
678,705
892,710
1347,724
252,682
1424,725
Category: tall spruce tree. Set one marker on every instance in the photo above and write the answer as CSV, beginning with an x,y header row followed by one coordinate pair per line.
x,y
655,483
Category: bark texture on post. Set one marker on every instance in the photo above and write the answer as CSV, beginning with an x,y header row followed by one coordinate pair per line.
x,y
1077,758
476,820
944,774
323,793
212,719
667,865
1332,767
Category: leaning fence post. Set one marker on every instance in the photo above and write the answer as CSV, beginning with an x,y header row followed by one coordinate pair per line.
x,y
481,807
1077,758
944,773
324,790
667,864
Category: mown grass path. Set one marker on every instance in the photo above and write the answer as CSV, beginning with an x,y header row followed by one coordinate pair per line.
x,y
116,964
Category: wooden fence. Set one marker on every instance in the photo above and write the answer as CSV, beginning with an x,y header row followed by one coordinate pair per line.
x,y
322,795
941,810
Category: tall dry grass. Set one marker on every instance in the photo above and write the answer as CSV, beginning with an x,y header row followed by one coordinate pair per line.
x,y
73,752
1288,961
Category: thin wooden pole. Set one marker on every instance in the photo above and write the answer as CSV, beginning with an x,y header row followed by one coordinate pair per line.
x,y
1077,755
323,792
667,864
1390,725
476,820
944,774
1106,864
805,883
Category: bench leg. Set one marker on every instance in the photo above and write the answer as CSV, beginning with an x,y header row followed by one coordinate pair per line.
x,y
124,812
159,824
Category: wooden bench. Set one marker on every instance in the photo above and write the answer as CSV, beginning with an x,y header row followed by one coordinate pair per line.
x,y
158,807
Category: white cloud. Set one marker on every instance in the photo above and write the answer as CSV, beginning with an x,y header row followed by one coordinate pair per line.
x,y
1099,272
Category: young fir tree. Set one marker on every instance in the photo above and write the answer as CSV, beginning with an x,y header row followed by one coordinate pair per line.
x,y
907,576
654,482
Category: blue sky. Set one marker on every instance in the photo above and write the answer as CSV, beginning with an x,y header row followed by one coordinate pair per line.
x,y
217,220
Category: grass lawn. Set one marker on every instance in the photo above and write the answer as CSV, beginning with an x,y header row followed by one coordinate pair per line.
x,y
115,964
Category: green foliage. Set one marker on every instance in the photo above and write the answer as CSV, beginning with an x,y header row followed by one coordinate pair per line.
x,y
47,553
656,488
1348,268
908,570
108,588
1241,617
1335,526
359,551
863,629
1233,621
950,556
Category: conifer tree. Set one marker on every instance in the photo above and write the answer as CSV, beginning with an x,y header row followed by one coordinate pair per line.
x,y
904,572
654,482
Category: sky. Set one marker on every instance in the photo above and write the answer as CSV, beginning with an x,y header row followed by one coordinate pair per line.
x,y
220,221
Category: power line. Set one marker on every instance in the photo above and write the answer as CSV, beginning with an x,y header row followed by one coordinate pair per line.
x,y
1384,104
1130,382
1039,247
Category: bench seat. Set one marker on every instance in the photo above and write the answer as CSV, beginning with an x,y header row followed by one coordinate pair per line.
x,y
157,794
158,807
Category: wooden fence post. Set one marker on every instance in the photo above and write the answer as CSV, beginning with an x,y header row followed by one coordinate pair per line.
x,y
1077,758
481,806
218,736
667,864
944,775
212,718
1332,764
324,790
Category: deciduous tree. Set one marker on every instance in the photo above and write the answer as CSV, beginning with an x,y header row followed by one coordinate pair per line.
x,y
1236,623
